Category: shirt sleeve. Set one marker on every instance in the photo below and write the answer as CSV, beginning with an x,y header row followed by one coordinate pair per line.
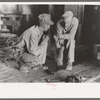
x,y
20,43
72,33
41,48
58,29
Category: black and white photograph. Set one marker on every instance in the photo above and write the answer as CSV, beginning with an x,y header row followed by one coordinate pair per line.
x,y
49,43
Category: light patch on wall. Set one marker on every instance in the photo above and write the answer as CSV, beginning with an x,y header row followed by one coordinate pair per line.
x,y
96,7
9,9
26,9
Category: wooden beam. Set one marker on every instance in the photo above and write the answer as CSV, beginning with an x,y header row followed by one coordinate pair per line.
x,y
92,79
10,78
82,70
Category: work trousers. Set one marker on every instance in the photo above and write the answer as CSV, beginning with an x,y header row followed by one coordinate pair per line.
x,y
59,52
31,60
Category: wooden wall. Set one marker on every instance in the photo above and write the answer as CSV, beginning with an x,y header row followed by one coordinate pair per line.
x,y
16,17
28,16
91,25
29,13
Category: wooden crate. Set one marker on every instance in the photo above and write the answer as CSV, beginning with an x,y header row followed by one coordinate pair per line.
x,y
96,51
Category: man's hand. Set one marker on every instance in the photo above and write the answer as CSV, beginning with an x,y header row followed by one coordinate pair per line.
x,y
61,37
45,39
57,45
55,38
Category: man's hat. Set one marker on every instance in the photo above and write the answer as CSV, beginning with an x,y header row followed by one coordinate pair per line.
x,y
67,14
45,19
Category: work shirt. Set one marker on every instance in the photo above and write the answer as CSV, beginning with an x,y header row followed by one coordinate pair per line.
x,y
31,38
69,33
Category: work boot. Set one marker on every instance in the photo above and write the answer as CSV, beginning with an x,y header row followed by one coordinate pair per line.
x,y
40,67
69,66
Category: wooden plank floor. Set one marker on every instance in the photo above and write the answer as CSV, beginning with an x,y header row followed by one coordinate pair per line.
x,y
13,75
9,73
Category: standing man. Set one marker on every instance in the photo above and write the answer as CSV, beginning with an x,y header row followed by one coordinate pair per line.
x,y
34,44
66,30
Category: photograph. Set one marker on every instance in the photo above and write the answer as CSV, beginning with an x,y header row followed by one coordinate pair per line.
x,y
49,43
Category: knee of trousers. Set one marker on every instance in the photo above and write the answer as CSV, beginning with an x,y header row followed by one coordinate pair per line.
x,y
70,43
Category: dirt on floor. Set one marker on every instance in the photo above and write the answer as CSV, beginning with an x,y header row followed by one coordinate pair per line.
x,y
83,70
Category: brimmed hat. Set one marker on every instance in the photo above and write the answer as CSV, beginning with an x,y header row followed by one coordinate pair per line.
x,y
68,14
45,19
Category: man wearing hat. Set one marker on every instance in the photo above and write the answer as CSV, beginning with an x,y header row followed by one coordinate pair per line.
x,y
66,30
34,43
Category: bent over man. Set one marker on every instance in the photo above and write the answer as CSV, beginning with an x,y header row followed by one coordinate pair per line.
x,y
66,30
34,43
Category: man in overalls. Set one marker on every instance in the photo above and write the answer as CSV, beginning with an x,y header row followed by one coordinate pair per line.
x,y
66,30
34,44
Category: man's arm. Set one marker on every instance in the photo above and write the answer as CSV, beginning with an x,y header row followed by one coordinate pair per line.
x,y
72,33
58,35
19,46
59,29
20,43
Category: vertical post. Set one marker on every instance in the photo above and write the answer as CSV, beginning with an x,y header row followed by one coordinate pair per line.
x,y
49,43
81,18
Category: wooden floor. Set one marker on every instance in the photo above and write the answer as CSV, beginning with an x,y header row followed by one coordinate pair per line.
x,y
9,73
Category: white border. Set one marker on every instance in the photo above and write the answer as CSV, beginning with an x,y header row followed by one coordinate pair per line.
x,y
56,3
42,90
